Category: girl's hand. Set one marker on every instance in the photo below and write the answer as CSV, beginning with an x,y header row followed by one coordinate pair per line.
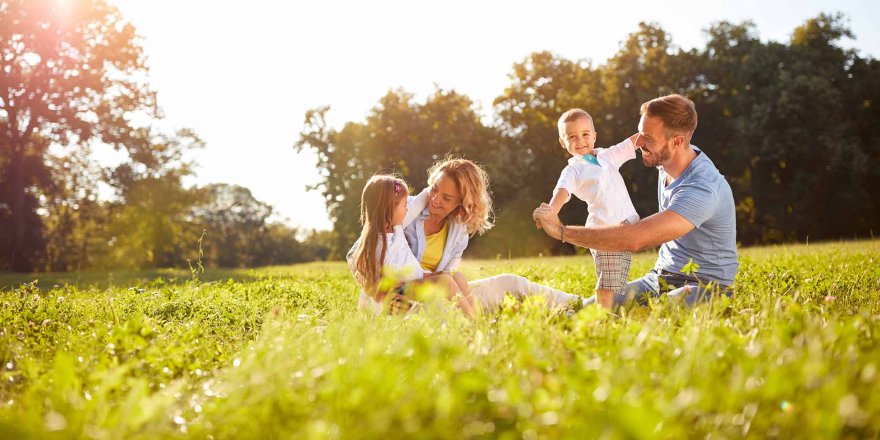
x,y
400,304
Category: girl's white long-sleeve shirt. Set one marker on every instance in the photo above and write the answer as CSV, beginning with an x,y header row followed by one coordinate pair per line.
x,y
399,258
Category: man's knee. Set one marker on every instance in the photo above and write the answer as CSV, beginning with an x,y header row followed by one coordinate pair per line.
x,y
639,290
695,294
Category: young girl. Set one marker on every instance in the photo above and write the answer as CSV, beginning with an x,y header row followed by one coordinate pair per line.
x,y
382,250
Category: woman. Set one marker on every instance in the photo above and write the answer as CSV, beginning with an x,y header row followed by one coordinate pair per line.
x,y
441,220
382,246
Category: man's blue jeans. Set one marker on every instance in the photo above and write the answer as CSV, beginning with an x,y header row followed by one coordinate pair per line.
x,y
677,286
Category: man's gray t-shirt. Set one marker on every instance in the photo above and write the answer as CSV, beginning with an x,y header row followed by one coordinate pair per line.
x,y
703,197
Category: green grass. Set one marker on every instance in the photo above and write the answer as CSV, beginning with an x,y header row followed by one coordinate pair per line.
x,y
283,352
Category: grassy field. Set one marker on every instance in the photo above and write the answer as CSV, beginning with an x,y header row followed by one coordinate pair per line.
x,y
282,352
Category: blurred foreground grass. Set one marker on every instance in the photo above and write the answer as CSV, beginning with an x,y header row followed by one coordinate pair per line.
x,y
283,352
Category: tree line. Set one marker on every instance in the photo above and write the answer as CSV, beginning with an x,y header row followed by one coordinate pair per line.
x,y
790,125
74,78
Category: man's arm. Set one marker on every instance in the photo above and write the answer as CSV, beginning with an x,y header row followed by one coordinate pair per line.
x,y
651,231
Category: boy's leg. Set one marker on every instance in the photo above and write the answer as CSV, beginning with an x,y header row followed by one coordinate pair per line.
x,y
605,298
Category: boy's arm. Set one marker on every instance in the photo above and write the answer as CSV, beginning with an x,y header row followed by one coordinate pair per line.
x,y
560,197
622,152
568,181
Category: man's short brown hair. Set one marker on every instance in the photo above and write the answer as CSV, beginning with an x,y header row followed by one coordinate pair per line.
x,y
679,115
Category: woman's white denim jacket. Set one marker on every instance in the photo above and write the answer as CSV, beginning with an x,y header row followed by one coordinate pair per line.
x,y
407,246
456,239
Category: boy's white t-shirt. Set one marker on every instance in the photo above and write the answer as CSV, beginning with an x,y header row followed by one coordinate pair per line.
x,y
601,186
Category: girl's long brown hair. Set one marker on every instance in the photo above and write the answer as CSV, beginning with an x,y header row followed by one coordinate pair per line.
x,y
381,194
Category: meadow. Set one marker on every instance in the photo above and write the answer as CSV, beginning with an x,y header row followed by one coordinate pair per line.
x,y
282,352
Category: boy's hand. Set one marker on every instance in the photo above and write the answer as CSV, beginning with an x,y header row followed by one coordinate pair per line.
x,y
634,138
547,219
553,209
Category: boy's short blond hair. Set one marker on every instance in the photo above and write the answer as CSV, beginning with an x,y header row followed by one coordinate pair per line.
x,y
572,115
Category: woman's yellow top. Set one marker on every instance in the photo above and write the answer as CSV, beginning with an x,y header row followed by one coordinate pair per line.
x,y
434,248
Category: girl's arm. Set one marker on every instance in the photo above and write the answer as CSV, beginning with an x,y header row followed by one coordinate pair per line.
x,y
399,257
349,257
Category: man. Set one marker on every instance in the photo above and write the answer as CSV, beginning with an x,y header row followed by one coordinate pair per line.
x,y
696,222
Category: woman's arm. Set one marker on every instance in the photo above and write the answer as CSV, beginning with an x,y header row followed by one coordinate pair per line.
x,y
457,251
415,206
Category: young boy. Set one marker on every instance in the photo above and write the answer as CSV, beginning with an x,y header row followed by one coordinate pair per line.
x,y
593,176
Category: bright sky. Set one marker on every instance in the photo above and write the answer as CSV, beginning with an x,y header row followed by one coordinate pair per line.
x,y
243,74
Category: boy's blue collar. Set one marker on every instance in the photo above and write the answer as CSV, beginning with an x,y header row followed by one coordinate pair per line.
x,y
591,159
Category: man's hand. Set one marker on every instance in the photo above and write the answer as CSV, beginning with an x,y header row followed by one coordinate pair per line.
x,y
546,218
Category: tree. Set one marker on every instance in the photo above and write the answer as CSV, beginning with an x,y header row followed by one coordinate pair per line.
x,y
783,117
71,74
235,223
789,124
399,136
151,224
74,217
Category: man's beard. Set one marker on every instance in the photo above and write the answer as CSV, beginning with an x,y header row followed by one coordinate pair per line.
x,y
657,158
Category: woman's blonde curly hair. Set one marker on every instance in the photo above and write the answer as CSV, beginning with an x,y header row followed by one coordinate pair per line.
x,y
475,212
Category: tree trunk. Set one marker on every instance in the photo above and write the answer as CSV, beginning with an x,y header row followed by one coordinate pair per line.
x,y
17,258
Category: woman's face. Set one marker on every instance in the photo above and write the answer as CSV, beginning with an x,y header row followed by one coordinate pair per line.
x,y
443,198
